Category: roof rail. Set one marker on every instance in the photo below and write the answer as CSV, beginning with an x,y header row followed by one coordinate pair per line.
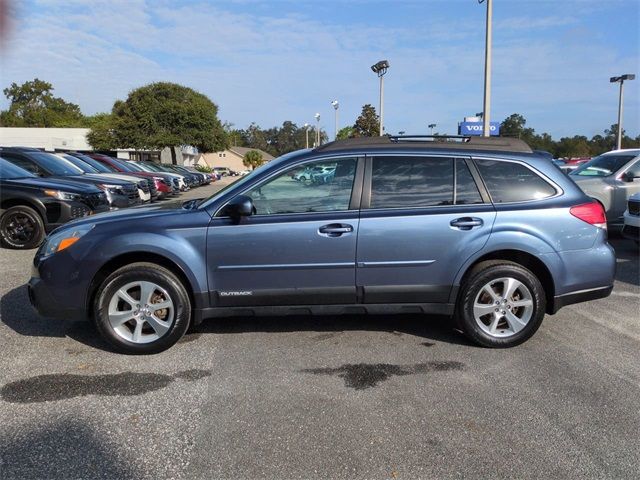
x,y
505,144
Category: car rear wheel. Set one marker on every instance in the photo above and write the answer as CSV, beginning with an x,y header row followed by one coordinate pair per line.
x,y
501,304
142,308
21,227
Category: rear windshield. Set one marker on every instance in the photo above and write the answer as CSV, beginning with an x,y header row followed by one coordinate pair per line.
x,y
603,166
10,171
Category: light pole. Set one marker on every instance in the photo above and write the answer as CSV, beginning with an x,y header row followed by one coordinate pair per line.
x,y
335,106
432,126
486,106
306,134
380,69
317,117
620,79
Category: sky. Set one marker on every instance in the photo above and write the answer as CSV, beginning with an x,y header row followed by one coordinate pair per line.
x,y
267,62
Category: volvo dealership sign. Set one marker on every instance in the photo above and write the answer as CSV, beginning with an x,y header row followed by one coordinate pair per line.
x,y
475,128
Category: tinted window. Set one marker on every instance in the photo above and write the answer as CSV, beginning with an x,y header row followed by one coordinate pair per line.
x,y
95,164
329,190
512,182
78,163
54,165
467,192
24,163
406,182
603,166
9,170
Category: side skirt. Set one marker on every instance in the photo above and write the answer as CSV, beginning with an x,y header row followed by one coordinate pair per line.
x,y
370,309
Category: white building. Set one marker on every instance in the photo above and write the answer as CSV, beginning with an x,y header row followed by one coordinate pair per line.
x,y
75,139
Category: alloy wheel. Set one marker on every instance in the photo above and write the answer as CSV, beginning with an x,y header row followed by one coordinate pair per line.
x,y
141,312
503,307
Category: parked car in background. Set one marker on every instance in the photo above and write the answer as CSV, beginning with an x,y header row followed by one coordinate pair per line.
x,y
324,174
128,188
576,161
611,179
223,171
306,174
122,167
178,181
510,238
562,165
119,193
631,228
31,206
141,183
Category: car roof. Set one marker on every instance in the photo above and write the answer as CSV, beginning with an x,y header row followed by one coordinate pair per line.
x,y
429,142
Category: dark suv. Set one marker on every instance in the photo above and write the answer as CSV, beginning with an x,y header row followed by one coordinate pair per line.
x,y
31,206
481,229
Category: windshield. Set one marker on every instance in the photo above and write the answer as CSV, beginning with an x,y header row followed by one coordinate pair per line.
x,y
10,171
136,167
603,166
78,163
123,164
96,164
55,165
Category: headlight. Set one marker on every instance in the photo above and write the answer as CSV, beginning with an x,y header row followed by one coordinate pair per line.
x,y
62,195
64,239
117,189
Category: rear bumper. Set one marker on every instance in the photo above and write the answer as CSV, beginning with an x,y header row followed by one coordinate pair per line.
x,y
570,298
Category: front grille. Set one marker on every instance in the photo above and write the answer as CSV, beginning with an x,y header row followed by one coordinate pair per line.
x,y
176,183
152,187
634,208
79,212
95,200
145,187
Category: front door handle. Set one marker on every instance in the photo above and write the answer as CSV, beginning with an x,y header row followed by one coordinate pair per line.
x,y
335,229
466,223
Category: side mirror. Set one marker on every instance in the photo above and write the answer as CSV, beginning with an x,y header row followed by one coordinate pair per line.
x,y
628,177
240,206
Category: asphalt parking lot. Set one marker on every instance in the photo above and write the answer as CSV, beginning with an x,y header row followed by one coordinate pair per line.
x,y
323,397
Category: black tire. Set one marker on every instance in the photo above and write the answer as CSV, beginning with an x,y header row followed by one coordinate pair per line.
x,y
484,273
143,272
30,227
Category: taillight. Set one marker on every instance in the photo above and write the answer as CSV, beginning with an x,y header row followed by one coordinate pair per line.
x,y
592,213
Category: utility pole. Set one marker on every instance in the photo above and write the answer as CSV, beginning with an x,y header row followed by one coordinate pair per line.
x,y
486,106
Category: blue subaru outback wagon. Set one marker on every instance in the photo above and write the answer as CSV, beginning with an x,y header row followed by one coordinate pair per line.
x,y
480,229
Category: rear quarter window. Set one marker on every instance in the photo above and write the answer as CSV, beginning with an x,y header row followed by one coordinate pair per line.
x,y
513,182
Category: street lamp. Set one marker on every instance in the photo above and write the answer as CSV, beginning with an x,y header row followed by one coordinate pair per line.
x,y
432,126
335,106
486,106
620,79
306,133
380,69
317,117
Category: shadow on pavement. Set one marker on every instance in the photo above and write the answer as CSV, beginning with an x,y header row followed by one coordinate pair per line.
x,y
16,313
66,449
429,327
628,264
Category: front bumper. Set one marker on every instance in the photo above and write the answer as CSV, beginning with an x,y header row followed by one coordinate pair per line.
x,y
46,304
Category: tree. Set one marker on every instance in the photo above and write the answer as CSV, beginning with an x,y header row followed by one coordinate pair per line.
x,y
368,123
253,159
165,114
33,105
346,132
101,136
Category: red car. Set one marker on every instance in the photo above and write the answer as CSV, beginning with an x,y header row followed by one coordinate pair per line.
x,y
160,186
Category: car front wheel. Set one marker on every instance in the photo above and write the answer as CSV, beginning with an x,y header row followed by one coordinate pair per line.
x,y
501,304
21,227
142,308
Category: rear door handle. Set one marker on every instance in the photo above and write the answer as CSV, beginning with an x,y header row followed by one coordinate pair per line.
x,y
335,229
466,223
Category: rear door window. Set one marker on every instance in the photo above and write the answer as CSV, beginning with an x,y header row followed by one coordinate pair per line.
x,y
513,182
467,192
411,182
